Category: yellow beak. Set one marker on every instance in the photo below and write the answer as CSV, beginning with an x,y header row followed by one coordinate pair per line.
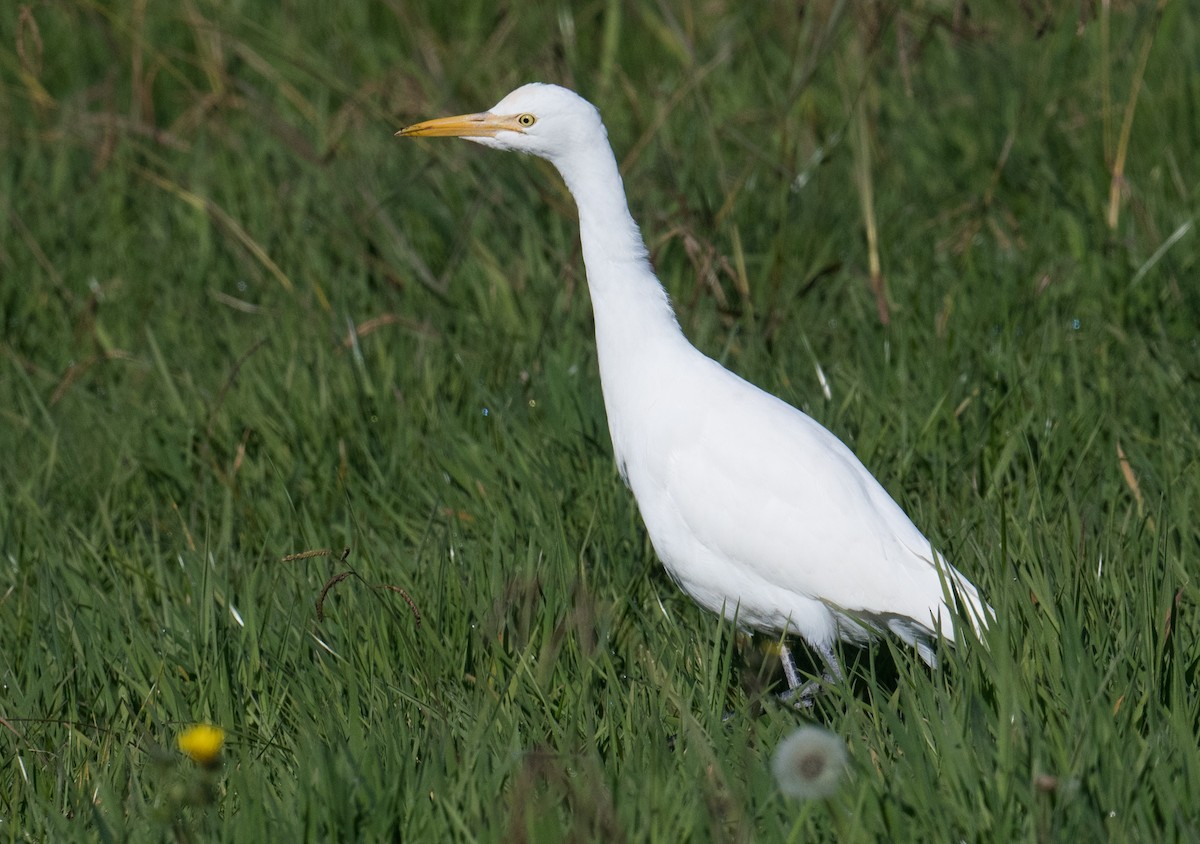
x,y
481,125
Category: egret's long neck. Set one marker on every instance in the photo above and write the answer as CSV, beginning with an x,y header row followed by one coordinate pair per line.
x,y
635,324
624,289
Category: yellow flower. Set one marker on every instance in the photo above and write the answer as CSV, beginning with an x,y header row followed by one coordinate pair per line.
x,y
809,763
203,743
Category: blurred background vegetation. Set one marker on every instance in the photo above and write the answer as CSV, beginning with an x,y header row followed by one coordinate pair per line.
x,y
241,321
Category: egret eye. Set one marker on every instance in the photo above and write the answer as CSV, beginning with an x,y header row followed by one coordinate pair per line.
x,y
527,120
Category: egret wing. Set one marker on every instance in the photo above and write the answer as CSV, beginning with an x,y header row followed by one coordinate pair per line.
x,y
765,487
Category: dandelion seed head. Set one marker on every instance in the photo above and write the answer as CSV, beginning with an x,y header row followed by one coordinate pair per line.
x,y
809,764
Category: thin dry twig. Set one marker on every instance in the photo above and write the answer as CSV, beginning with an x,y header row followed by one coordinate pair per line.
x,y
77,370
220,216
30,48
362,329
870,224
1130,478
1117,185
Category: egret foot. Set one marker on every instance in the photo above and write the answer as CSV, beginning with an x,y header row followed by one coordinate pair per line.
x,y
801,693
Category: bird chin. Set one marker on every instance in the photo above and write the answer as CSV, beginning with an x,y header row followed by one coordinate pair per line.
x,y
485,140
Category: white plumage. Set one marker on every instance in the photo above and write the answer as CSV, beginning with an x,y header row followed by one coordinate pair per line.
x,y
756,510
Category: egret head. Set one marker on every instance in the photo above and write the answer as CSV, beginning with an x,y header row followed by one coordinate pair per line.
x,y
538,119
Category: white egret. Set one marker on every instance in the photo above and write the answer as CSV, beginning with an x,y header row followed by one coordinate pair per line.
x,y
756,510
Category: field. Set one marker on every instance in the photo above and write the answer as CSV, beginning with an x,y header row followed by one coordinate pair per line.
x,y
242,322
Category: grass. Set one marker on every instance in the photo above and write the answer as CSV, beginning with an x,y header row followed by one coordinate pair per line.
x,y
241,321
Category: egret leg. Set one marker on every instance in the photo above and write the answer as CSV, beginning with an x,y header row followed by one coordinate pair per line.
x,y
833,669
789,667
800,692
